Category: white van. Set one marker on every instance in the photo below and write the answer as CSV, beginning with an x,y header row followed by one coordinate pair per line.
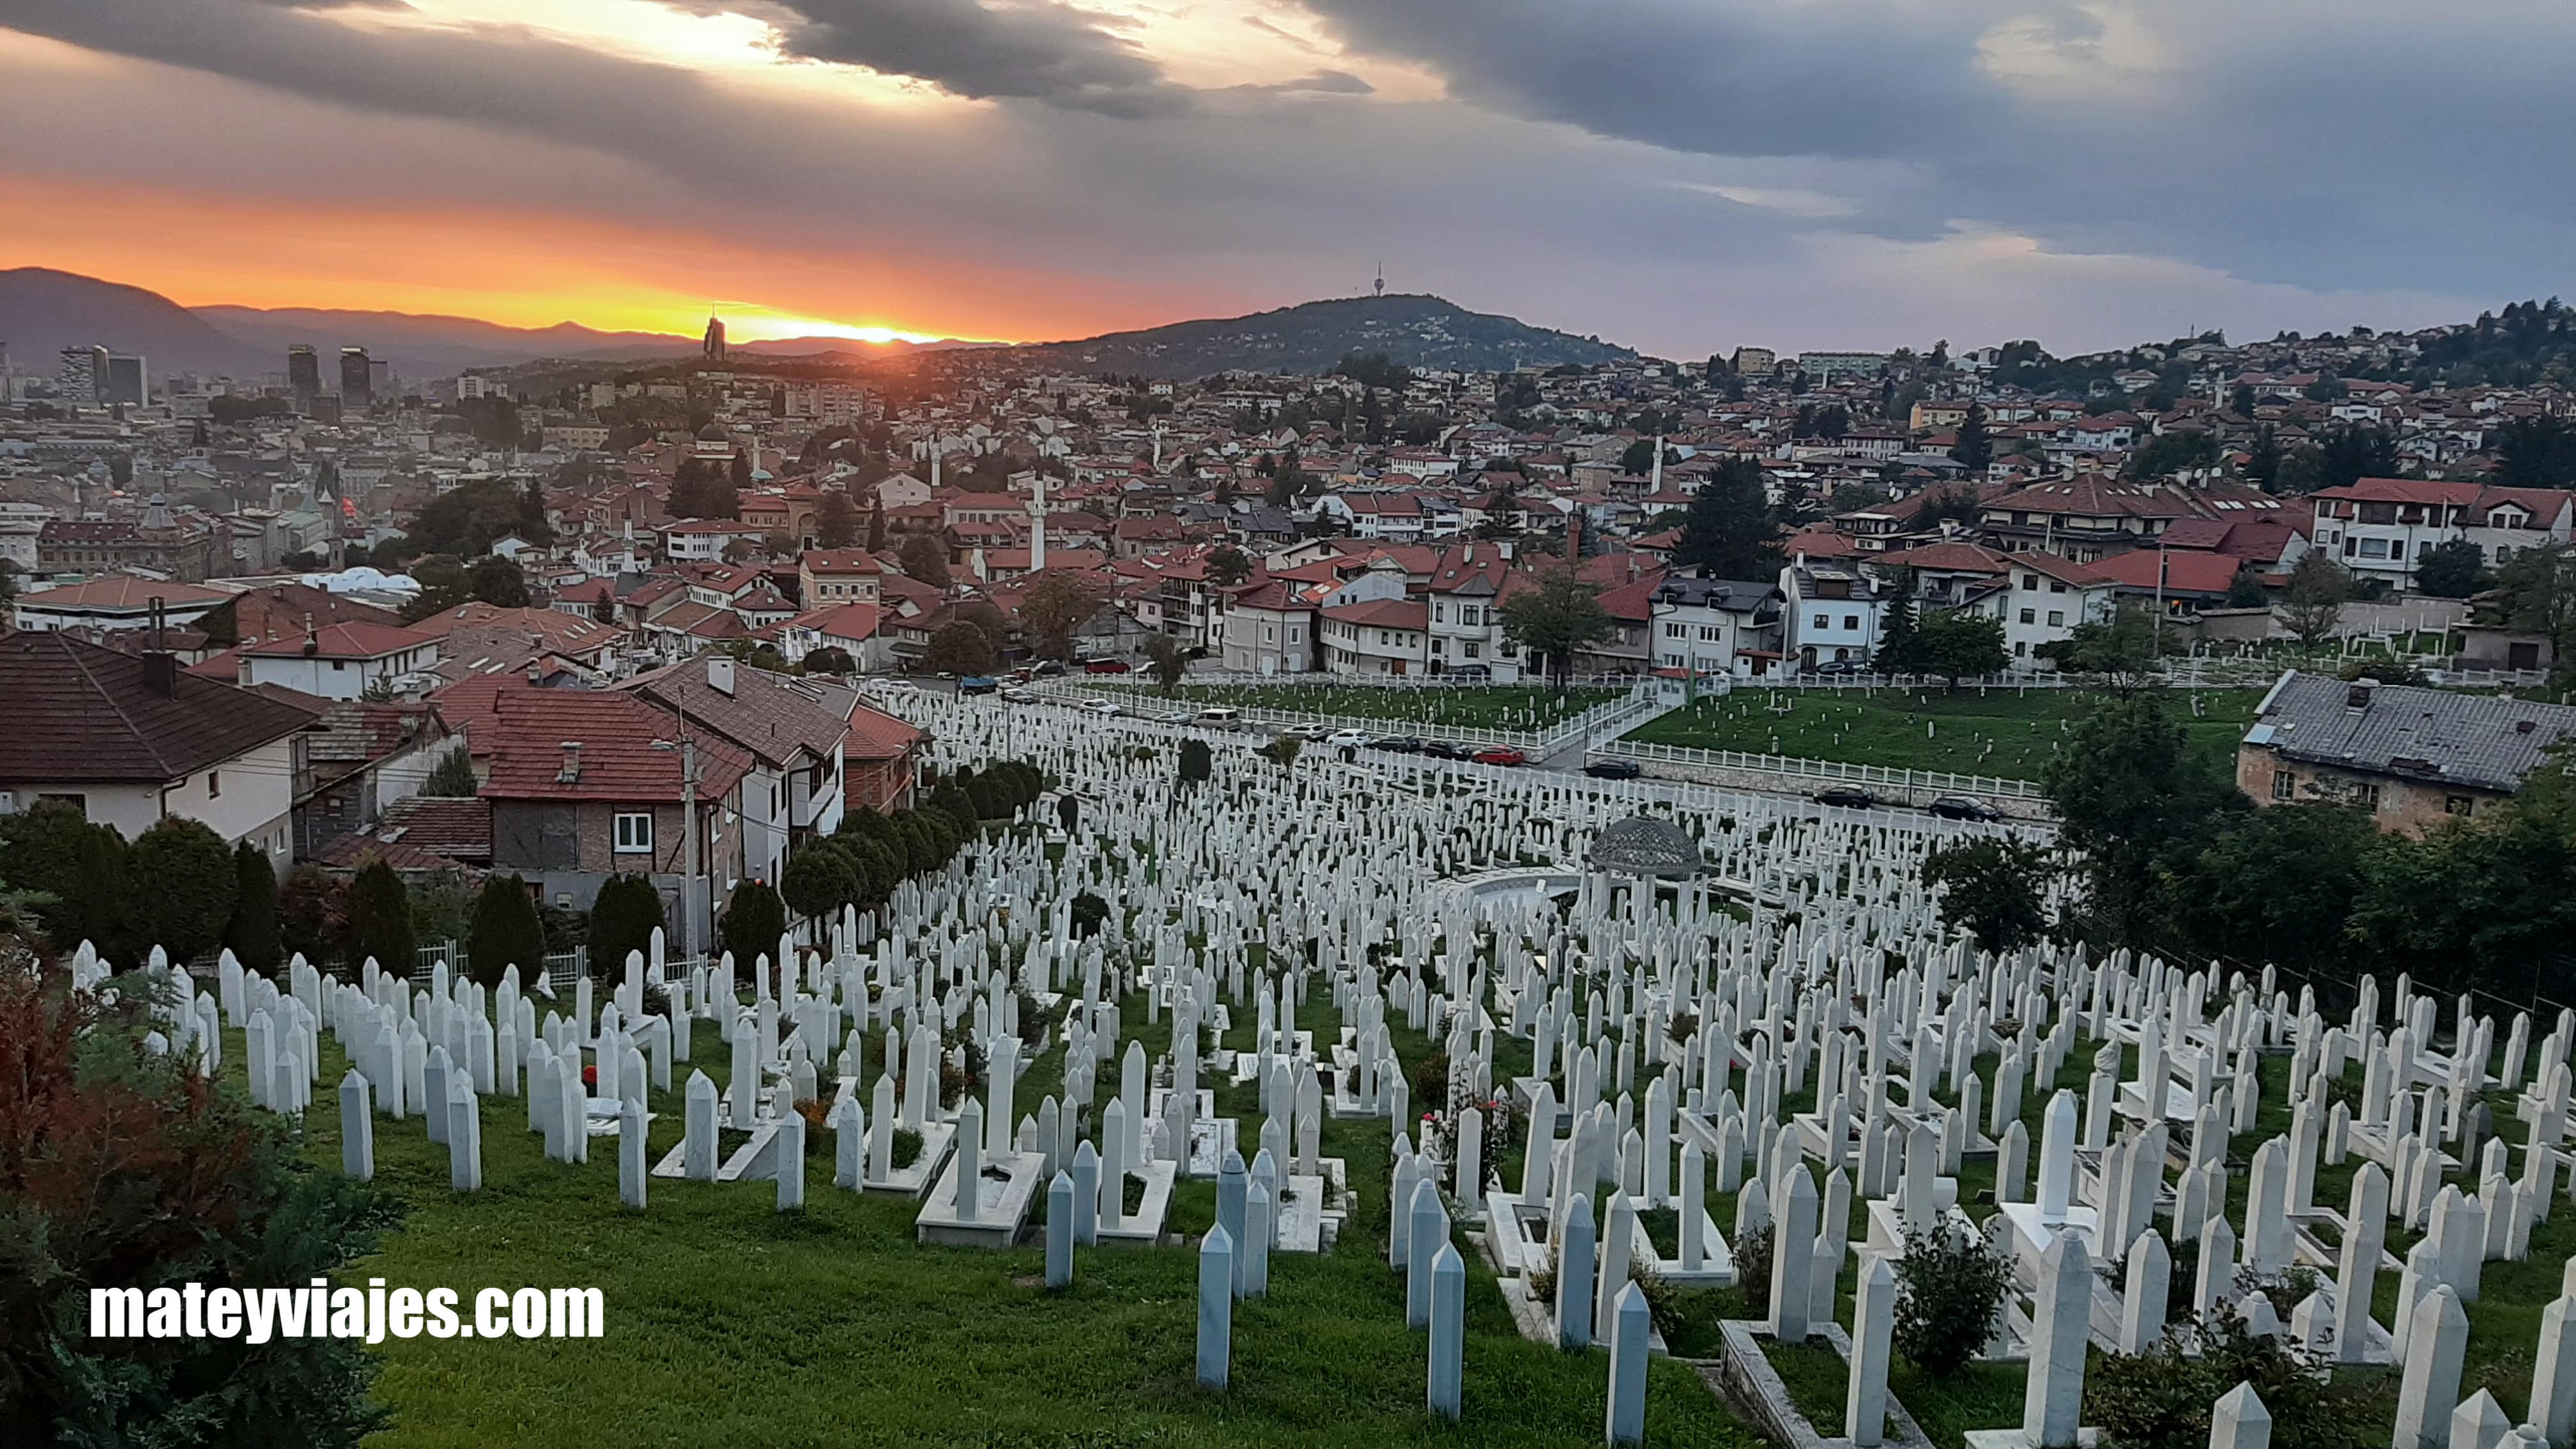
x,y
1220,716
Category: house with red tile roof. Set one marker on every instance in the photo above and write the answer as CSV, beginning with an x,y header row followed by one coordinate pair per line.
x,y
2383,527
587,783
882,756
1383,637
340,661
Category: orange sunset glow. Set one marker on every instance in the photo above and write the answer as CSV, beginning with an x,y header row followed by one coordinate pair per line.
x,y
535,269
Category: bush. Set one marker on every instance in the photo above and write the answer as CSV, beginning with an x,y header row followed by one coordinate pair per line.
x,y
1753,1265
126,1170
251,935
1948,1286
753,923
380,919
1068,812
1089,911
623,917
1198,762
818,880
2160,1399
507,932
313,915
1430,1081
1281,751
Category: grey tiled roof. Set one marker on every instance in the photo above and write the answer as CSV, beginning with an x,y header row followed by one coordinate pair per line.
x,y
2486,742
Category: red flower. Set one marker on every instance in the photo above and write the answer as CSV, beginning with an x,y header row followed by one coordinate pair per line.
x,y
590,1076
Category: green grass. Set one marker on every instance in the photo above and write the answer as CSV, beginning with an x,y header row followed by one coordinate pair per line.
x,y
731,1323
1496,707
2007,733
1818,1381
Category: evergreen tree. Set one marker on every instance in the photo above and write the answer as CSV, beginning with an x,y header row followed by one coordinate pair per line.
x,y
623,917
836,523
193,884
251,935
1975,448
818,880
380,919
1727,533
507,931
876,524
1899,647
753,923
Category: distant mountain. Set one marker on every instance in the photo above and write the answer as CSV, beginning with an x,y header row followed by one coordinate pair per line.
x,y
1415,330
43,311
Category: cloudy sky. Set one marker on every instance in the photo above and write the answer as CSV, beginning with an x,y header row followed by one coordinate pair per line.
x,y
1680,175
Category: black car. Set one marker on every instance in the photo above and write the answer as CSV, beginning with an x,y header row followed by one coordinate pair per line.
x,y
1397,744
1963,807
1847,797
1613,768
1048,669
1445,750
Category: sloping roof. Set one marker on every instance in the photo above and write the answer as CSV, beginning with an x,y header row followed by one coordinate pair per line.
x,y
2486,742
2189,571
82,712
772,716
123,591
876,735
344,641
460,828
1383,614
619,760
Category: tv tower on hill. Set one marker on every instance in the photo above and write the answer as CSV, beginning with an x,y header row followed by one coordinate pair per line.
x,y
1381,279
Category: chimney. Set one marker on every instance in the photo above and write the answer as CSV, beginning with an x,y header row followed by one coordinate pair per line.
x,y
312,641
2358,696
720,676
571,771
161,674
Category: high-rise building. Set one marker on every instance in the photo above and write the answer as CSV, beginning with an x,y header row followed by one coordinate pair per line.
x,y
714,346
380,378
82,373
357,379
127,382
303,374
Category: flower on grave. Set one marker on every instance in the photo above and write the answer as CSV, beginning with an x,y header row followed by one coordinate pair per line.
x,y
590,1076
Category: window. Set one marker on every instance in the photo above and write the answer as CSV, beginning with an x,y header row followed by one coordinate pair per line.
x,y
2285,785
2458,805
1852,622
2057,586
214,784
2376,547
1711,633
2057,618
1676,631
1822,622
2021,649
635,833
339,664
2030,616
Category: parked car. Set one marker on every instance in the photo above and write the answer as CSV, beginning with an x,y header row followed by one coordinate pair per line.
x,y
1019,696
1837,667
1220,716
1047,669
1341,739
1102,707
978,684
1500,755
1847,797
1613,768
1963,807
1445,750
1105,666
1397,744
1472,673
1016,676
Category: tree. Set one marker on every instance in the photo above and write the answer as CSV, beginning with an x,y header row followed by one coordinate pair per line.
x,y
2346,455
312,915
836,521
1900,647
2120,649
2536,592
1056,607
1228,566
2241,401
2536,452
506,932
2245,588
1948,1285
380,918
2312,608
1975,449
1168,660
1198,762
127,1171
924,559
1956,644
818,880
79,867
251,934
1555,618
830,659
1994,888
2126,791
498,581
2450,569
961,648
193,885
1729,528
2277,886
623,917
876,524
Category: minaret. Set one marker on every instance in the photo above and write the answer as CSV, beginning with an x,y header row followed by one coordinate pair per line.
x,y
934,463
1158,447
1657,485
1037,526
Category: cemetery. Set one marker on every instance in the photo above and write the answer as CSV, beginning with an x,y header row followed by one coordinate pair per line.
x,y
2005,731
1519,707
1383,1101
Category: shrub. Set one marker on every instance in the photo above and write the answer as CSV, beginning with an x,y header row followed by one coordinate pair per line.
x,y
126,1170
380,919
1281,751
1089,911
1753,1264
193,884
1948,1286
251,935
1198,762
818,880
623,918
1068,812
753,923
506,932
2160,1399
1430,1081
313,915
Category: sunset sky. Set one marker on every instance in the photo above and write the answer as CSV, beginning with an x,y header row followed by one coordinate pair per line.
x,y
1680,175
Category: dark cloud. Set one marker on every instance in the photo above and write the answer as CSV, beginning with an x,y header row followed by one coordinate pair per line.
x,y
1036,50
1322,82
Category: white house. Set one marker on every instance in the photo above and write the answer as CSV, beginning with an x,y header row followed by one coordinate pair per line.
x,y
1831,614
340,661
1378,636
1723,628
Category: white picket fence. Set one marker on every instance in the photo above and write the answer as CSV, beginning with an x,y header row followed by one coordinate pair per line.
x,y
1938,782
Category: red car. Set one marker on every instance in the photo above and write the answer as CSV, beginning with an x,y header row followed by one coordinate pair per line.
x,y
1106,666
1500,755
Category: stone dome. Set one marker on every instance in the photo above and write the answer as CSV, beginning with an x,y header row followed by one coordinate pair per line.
x,y
1642,845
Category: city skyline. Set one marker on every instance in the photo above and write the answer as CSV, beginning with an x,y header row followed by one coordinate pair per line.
x,y
1679,178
